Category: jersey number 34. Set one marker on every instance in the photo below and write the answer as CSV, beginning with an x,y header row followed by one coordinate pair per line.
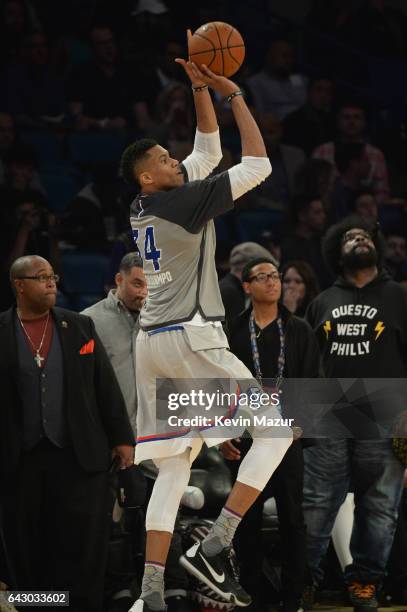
x,y
150,250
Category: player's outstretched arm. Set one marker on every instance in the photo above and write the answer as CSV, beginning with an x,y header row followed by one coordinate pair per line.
x,y
207,151
255,165
251,138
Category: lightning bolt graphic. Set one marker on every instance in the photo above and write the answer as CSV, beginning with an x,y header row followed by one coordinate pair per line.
x,y
327,328
379,329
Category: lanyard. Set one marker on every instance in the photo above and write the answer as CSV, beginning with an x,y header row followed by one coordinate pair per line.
x,y
256,355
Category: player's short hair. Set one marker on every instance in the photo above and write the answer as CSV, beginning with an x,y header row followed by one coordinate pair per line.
x,y
246,272
132,155
129,261
332,242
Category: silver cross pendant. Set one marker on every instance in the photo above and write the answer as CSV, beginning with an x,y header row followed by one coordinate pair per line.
x,y
38,359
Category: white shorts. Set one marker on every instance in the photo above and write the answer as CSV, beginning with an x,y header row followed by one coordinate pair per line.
x,y
182,352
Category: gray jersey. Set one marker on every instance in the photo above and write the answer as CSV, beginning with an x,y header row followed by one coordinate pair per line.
x,y
175,235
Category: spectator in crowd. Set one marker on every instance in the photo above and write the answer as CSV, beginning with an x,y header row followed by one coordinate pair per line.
x,y
303,241
279,188
300,286
17,20
20,177
231,289
271,241
313,123
351,128
116,322
277,88
174,120
146,25
7,139
316,176
98,214
362,298
353,166
164,71
63,420
332,18
274,327
396,583
35,92
121,245
379,29
395,256
104,93
373,26
30,228
24,220
365,205
27,228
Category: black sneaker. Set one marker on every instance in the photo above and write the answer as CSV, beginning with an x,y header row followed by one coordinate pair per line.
x,y
363,597
216,572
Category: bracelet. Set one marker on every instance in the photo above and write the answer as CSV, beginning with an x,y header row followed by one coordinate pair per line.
x,y
200,88
239,92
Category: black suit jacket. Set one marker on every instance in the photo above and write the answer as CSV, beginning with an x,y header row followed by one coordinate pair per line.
x,y
93,403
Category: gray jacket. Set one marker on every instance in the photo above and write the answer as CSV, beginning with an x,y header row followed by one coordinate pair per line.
x,y
118,329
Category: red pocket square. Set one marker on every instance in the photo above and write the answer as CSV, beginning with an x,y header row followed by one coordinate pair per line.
x,y
87,348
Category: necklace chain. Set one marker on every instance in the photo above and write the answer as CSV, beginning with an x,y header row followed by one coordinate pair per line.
x,y
256,354
37,357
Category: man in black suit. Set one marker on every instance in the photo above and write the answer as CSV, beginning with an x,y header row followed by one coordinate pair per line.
x,y
63,422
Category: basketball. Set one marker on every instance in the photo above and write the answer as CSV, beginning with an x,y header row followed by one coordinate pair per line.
x,y
219,46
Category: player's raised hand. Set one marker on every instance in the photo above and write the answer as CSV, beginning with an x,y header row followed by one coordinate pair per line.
x,y
216,82
201,75
191,69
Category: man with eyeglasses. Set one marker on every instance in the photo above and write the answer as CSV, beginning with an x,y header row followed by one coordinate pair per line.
x,y
63,420
295,343
361,326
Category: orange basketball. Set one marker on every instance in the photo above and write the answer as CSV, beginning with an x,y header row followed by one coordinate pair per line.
x,y
219,46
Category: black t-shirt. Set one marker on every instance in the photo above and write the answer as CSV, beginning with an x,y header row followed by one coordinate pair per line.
x,y
268,343
301,360
301,347
362,332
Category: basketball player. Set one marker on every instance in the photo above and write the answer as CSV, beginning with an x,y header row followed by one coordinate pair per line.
x,y
181,334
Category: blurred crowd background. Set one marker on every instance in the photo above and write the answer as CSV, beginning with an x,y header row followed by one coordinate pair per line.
x,y
81,79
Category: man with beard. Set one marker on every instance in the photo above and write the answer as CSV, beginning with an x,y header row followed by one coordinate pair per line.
x,y
361,326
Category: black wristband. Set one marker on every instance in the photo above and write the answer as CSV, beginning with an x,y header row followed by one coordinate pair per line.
x,y
201,88
239,92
